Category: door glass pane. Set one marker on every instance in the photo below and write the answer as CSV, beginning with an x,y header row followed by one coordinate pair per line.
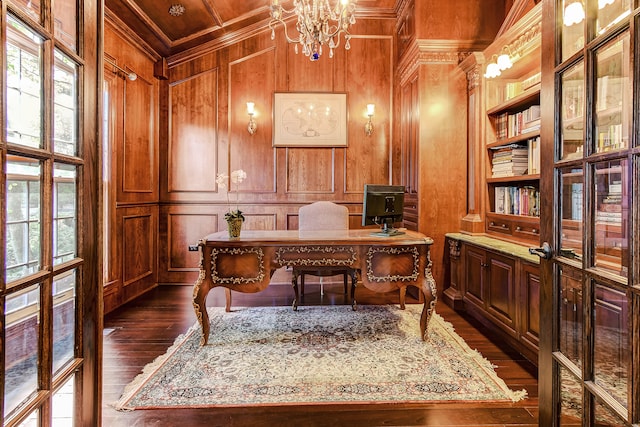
x,y
611,250
612,348
65,22
571,205
62,405
605,417
64,215
572,118
32,8
23,217
610,12
64,319
24,85
32,420
65,105
571,317
570,399
22,331
573,15
613,96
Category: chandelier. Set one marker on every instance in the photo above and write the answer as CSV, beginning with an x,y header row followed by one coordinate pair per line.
x,y
318,23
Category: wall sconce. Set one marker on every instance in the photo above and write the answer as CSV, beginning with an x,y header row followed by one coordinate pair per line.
x,y
252,127
368,127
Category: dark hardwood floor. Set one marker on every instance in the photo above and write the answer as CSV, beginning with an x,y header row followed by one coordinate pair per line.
x,y
140,331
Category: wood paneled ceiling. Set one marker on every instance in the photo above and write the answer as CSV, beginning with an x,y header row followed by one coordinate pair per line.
x,y
208,21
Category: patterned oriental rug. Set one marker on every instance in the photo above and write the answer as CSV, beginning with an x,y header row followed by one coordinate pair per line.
x,y
319,354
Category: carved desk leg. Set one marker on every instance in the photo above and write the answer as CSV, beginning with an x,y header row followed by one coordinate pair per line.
x,y
294,284
200,291
430,297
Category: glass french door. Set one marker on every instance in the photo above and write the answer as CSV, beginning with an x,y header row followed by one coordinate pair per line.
x,y
590,356
50,309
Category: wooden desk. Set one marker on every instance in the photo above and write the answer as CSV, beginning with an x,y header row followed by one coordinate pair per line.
x,y
246,264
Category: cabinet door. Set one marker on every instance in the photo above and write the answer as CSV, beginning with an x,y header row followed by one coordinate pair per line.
x,y
529,306
474,275
500,297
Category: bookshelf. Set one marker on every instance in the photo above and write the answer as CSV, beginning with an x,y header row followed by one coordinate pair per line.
x,y
512,142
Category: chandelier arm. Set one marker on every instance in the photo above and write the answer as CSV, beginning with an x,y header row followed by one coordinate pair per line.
x,y
273,25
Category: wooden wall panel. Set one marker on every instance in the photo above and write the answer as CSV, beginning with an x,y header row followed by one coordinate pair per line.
x,y
477,20
252,78
193,106
139,153
310,170
131,193
369,75
138,246
184,230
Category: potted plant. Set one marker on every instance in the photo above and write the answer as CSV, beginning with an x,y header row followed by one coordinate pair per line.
x,y
233,217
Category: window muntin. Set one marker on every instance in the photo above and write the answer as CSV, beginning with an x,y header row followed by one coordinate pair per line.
x,y
24,85
23,233
64,213
65,105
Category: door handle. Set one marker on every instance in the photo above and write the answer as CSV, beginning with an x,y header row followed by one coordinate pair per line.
x,y
544,252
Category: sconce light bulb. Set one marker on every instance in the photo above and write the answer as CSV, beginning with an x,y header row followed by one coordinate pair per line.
x,y
370,109
251,108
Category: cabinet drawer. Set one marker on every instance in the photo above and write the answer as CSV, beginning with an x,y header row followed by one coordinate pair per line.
x,y
499,225
526,230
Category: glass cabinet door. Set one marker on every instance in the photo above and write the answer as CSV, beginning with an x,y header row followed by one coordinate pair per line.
x,y
589,300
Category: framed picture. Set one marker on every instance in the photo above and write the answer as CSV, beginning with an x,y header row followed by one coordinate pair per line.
x,y
310,120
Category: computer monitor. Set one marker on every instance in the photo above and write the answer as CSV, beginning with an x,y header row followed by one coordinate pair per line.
x,y
382,205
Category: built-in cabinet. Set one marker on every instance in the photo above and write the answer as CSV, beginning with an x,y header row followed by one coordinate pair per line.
x,y
491,274
497,283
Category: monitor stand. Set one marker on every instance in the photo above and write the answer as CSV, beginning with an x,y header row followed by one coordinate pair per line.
x,y
387,231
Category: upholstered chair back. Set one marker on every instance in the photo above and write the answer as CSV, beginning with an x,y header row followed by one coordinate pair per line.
x,y
323,216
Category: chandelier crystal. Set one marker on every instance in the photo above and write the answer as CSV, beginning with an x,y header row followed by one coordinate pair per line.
x,y
317,23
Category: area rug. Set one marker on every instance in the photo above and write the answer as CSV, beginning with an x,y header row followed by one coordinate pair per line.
x,y
316,355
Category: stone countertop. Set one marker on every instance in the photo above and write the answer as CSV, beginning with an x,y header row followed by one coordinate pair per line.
x,y
508,248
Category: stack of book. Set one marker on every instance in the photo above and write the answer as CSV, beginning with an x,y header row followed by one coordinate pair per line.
x,y
511,160
610,207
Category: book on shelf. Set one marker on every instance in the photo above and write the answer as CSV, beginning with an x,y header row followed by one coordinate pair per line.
x,y
511,200
577,200
509,125
531,81
533,154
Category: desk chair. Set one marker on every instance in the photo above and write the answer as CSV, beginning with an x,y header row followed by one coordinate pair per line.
x,y
323,216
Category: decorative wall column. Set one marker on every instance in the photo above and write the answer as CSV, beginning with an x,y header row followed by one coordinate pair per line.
x,y
473,222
